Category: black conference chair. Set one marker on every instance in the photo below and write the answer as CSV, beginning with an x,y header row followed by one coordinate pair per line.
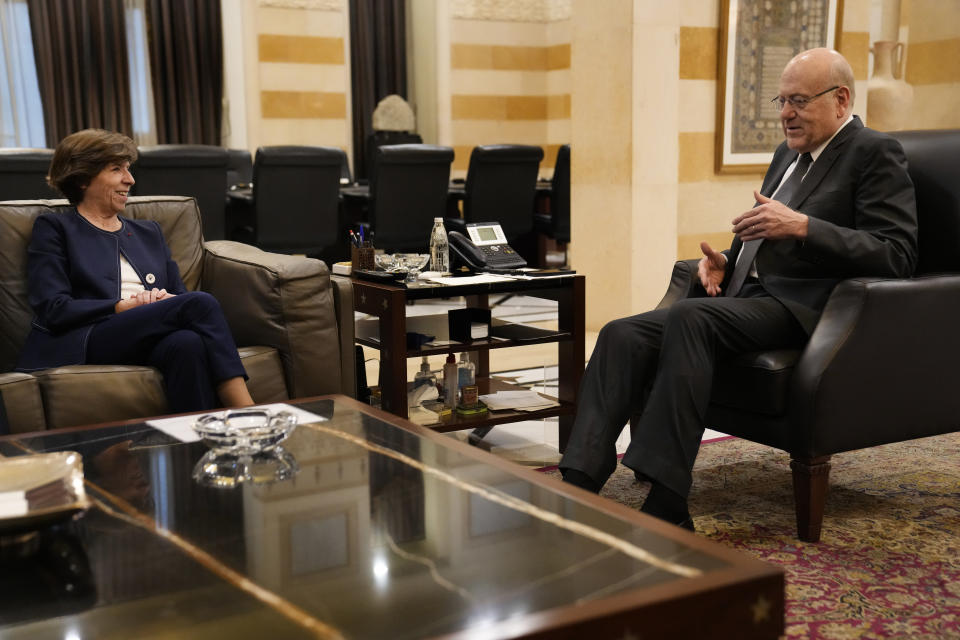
x,y
346,177
556,224
880,365
296,192
198,171
408,189
239,167
23,174
379,139
501,186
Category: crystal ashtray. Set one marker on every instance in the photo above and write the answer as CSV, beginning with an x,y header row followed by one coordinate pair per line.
x,y
401,262
245,430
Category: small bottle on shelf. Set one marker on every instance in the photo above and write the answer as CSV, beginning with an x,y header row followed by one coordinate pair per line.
x,y
450,382
466,371
424,376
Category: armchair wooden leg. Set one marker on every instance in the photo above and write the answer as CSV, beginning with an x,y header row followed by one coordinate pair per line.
x,y
810,483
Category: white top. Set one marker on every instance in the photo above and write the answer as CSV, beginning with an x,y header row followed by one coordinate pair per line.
x,y
129,280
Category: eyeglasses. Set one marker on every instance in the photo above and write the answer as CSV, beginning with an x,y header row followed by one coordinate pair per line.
x,y
799,102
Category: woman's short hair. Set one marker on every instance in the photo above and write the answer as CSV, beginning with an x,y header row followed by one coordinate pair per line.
x,y
82,155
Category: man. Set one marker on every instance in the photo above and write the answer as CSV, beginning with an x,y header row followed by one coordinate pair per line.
x,y
836,202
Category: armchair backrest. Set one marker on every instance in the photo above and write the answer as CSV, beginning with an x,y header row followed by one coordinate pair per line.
x,y
296,196
179,220
408,190
23,174
933,158
195,170
501,186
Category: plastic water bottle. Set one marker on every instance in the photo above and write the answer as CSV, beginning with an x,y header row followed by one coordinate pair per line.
x,y
439,249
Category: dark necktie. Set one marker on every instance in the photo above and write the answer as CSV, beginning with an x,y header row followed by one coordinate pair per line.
x,y
749,250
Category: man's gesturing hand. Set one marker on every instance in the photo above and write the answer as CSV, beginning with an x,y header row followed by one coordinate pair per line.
x,y
770,219
711,268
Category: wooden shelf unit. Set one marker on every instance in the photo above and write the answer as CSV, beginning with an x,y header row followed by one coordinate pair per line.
x,y
387,302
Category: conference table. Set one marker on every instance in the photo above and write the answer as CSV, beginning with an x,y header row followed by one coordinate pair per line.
x,y
377,528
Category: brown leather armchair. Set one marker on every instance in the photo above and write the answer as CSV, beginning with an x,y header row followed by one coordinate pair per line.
x,y
292,321
880,366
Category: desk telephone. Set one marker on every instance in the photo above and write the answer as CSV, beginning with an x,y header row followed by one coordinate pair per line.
x,y
486,248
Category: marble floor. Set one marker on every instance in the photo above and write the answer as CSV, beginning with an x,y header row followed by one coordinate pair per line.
x,y
531,443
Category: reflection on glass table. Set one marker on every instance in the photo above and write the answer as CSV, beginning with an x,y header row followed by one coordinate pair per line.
x,y
226,469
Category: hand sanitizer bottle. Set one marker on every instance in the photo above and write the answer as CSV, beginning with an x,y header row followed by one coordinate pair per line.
x,y
450,382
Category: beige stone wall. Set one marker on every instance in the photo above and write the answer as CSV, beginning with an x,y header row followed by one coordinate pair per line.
x,y
298,73
509,83
932,30
624,121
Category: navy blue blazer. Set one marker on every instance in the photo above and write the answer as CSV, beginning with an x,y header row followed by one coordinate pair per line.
x,y
73,281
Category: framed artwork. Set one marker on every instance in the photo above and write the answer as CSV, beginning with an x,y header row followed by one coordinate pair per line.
x,y
757,39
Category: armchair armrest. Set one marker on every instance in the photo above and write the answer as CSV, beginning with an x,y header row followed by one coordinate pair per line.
x,y
684,283
285,302
23,404
343,301
880,366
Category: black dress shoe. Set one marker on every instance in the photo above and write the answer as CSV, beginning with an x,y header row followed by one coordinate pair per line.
x,y
667,505
687,524
579,479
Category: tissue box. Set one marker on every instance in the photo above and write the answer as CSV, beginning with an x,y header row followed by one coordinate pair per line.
x,y
468,324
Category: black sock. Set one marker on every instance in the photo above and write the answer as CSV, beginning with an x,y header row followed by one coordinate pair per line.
x,y
579,479
666,504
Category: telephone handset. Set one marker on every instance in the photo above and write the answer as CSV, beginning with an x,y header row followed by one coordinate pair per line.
x,y
486,248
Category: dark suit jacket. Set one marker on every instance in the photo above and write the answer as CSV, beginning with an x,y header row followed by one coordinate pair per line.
x,y
73,281
863,221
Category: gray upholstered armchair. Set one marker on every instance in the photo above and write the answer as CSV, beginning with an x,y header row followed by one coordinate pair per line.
x,y
292,321
881,364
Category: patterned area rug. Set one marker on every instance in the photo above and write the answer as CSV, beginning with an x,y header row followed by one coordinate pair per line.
x,y
888,563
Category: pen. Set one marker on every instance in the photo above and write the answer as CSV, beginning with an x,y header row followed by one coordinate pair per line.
x,y
353,239
361,236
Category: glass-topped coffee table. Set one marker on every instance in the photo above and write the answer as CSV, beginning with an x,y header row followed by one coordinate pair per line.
x,y
383,530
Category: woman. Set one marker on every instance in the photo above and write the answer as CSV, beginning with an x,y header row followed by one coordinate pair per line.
x,y
105,290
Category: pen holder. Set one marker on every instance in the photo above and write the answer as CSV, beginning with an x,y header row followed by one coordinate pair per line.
x,y
362,257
